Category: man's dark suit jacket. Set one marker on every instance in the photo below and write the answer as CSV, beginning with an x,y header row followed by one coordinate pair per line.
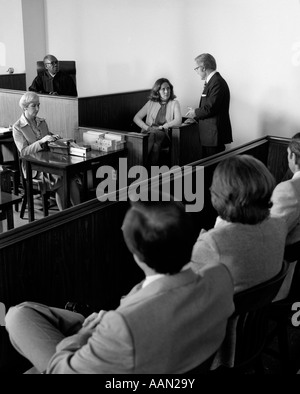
x,y
213,113
62,83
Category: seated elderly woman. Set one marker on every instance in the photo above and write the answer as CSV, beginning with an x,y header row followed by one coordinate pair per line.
x,y
245,238
31,135
162,112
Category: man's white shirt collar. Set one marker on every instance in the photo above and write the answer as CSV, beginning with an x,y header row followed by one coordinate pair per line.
x,y
210,76
151,278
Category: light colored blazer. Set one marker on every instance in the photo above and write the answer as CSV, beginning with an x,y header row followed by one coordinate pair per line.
x,y
151,108
24,137
286,205
170,326
252,253
26,140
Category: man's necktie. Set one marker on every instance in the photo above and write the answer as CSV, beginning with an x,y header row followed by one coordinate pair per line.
x,y
204,87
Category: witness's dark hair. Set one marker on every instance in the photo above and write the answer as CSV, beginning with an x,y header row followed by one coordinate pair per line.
x,y
241,190
160,234
154,94
294,146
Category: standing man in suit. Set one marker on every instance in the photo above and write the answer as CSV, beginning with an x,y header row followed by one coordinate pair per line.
x,y
52,80
213,112
170,323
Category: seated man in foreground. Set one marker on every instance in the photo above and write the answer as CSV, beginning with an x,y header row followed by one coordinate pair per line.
x,y
170,323
52,80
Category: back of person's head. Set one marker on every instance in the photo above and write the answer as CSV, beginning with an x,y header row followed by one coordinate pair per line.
x,y
154,94
294,146
208,61
159,234
28,98
241,190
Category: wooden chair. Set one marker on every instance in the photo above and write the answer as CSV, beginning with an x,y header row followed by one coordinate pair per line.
x,y
247,328
11,163
38,188
280,314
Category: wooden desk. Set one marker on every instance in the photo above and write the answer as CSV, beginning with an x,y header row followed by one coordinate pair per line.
x,y
7,202
65,166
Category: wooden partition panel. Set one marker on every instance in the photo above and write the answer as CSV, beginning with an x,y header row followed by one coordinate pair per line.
x,y
185,144
13,81
77,255
112,111
277,158
60,112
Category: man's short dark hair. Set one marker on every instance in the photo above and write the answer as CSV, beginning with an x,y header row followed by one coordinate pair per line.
x,y
160,234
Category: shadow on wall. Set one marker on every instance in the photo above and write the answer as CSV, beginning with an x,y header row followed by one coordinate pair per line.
x,y
244,121
278,125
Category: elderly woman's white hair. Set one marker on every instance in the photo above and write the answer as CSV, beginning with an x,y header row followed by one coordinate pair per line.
x,y
28,98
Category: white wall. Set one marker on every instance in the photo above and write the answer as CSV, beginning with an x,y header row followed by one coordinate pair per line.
x,y
34,36
119,45
11,36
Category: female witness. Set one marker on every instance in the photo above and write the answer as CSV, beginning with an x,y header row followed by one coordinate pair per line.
x,y
162,111
31,135
245,238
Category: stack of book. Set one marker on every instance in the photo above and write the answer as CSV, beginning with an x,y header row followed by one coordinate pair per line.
x,y
61,146
79,149
104,141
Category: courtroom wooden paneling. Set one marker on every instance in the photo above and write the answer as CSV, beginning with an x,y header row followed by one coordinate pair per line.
x,y
185,144
60,112
277,158
13,81
112,111
76,255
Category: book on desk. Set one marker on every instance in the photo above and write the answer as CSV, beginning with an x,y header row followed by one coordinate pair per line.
x,y
69,147
105,142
